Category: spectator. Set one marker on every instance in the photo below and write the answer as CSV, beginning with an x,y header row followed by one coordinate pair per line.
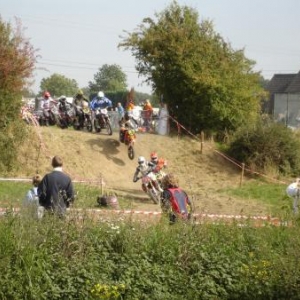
x,y
56,190
120,110
147,115
31,201
175,201
293,191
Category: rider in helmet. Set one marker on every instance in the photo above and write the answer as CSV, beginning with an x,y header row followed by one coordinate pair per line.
x,y
100,101
125,124
144,168
80,103
159,163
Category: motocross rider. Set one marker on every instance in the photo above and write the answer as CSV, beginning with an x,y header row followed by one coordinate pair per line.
x,y
145,168
45,106
99,102
159,165
125,124
81,103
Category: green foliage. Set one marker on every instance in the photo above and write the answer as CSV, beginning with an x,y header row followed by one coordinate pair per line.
x,y
79,259
109,78
17,59
206,84
267,145
59,85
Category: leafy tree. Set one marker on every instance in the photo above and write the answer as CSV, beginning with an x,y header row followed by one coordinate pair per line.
x,y
59,85
17,59
206,84
109,78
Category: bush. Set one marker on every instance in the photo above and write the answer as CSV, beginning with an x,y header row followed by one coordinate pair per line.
x,y
267,145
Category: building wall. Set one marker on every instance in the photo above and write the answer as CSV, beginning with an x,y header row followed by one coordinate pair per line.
x,y
287,109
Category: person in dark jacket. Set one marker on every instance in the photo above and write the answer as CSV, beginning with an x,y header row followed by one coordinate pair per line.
x,y
56,190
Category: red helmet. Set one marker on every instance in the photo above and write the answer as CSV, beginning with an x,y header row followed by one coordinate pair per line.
x,y
47,95
153,156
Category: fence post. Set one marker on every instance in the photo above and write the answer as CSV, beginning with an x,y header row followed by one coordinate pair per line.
x,y
201,141
242,174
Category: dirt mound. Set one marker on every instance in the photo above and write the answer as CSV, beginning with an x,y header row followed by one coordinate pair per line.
x,y
91,156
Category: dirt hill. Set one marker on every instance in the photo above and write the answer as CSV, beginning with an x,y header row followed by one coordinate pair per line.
x,y
90,156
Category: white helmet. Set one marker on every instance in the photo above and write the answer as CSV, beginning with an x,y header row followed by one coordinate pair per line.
x,y
100,94
141,160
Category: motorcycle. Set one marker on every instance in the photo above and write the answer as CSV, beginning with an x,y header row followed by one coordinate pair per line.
x,y
65,114
102,121
148,184
84,120
127,136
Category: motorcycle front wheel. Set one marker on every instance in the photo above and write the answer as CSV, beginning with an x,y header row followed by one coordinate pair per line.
x,y
97,125
108,128
154,196
130,152
89,125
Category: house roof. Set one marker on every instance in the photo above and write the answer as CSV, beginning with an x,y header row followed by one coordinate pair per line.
x,y
284,83
294,86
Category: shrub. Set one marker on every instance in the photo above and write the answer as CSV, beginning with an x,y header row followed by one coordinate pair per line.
x,y
267,145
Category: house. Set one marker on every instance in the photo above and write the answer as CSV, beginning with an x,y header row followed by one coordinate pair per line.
x,y
284,99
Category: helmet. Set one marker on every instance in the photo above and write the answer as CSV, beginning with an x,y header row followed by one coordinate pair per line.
x,y
62,97
100,94
153,156
141,160
47,94
80,92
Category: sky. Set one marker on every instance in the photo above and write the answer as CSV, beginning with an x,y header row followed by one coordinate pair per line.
x,y
75,38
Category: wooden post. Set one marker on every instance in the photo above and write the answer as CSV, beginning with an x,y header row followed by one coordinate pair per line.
x,y
101,184
201,141
242,174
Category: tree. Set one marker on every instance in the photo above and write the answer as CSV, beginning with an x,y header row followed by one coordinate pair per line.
x,y
17,60
58,85
206,84
109,78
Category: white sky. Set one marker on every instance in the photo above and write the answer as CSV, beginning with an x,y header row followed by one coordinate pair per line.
x,y
76,37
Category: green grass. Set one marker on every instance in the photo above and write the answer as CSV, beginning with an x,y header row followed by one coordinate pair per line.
x,y
272,194
13,193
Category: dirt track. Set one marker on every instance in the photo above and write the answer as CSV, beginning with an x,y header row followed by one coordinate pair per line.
x,y
91,156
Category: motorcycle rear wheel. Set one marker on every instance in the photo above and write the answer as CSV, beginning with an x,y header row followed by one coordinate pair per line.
x,y
131,152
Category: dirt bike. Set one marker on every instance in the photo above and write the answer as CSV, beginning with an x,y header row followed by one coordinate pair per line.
x,y
83,121
102,121
65,115
148,183
127,136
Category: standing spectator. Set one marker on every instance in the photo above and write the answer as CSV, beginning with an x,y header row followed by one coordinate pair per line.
x,y
45,106
147,115
293,191
31,201
120,110
175,201
56,190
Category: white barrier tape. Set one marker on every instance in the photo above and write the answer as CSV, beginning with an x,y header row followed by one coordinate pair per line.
x,y
211,216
